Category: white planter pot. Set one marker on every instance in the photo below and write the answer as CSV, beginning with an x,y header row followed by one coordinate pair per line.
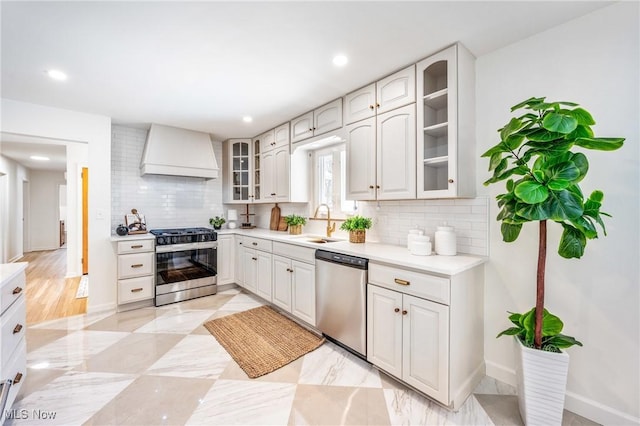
x,y
542,383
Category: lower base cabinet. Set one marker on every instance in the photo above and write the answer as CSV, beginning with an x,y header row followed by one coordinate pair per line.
x,y
294,288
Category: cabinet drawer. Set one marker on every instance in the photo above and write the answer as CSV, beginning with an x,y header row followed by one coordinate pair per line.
x,y
135,246
12,290
16,371
292,251
410,282
135,289
257,243
14,327
135,265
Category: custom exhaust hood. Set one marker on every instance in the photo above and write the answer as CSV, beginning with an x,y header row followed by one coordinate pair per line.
x,y
178,152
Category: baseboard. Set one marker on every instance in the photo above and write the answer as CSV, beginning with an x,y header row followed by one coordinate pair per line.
x,y
466,389
15,258
573,402
105,307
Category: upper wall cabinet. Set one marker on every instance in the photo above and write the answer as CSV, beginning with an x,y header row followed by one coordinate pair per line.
x,y
391,92
445,124
237,178
321,120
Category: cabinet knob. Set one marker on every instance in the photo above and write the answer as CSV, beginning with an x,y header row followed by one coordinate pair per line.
x,y
396,310
254,258
370,186
17,379
377,186
273,194
450,180
377,105
17,290
404,312
17,329
371,107
254,243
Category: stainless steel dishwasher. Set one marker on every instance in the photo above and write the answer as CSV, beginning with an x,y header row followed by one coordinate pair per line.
x,y
341,299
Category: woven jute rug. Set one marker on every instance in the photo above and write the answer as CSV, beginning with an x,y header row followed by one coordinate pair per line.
x,y
261,340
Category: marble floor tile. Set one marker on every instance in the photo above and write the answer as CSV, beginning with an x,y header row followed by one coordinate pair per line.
x,y
132,354
36,379
334,366
153,400
73,349
328,405
210,303
410,408
71,399
491,386
126,321
76,322
195,357
38,337
231,402
242,302
290,373
175,322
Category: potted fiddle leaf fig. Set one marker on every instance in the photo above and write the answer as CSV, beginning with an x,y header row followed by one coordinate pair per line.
x,y
542,174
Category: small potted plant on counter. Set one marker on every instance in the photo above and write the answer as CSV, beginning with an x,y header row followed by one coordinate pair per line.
x,y
357,227
217,222
542,177
295,223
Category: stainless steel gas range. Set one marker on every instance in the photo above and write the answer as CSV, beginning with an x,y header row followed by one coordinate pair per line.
x,y
186,264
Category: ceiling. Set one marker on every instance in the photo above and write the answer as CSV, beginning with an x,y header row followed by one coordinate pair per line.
x,y
205,65
21,148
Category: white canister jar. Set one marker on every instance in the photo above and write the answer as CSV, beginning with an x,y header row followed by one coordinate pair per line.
x,y
412,234
421,245
445,241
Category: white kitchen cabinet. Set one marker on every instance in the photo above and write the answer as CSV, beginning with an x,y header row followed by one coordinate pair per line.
x,y
281,136
267,140
321,120
257,266
389,93
239,260
294,284
427,330
381,156
136,270
237,182
226,259
446,124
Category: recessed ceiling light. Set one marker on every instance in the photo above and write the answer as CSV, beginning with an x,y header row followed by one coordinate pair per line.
x,y
247,119
39,158
340,60
57,75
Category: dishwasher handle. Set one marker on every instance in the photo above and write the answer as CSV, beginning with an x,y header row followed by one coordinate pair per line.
x,y
343,259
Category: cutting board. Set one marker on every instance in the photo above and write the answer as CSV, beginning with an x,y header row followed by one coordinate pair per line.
x,y
275,218
282,225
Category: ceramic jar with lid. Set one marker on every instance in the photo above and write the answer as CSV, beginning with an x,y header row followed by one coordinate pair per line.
x,y
412,234
445,240
421,245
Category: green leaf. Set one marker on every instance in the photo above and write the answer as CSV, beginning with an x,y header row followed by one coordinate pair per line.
x,y
501,147
581,162
515,318
528,322
532,211
513,126
562,175
586,226
561,341
551,324
601,144
531,192
512,331
526,103
564,205
514,141
572,242
560,123
582,116
542,135
495,160
510,231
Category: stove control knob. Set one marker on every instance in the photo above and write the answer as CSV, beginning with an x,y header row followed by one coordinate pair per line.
x,y
160,241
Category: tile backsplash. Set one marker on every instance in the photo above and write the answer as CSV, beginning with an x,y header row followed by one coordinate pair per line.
x,y
166,201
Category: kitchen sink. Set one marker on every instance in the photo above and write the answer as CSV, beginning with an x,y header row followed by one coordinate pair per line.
x,y
317,239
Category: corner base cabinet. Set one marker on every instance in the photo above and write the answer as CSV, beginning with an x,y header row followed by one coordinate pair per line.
x,y
427,330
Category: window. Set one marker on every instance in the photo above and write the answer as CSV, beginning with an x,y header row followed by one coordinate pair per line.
x,y
330,181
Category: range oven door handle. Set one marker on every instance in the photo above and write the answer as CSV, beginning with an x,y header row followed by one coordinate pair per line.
x,y
169,248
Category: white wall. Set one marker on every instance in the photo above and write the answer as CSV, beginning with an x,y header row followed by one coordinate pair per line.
x,y
11,235
95,130
44,228
77,155
592,60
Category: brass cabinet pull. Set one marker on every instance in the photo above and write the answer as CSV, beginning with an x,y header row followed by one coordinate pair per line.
x,y
254,243
404,312
17,290
396,310
17,329
401,282
137,265
17,379
136,246
136,290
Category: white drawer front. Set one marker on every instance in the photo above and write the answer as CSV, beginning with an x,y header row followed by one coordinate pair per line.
x,y
135,265
135,289
292,251
257,243
16,371
135,246
14,327
410,282
12,290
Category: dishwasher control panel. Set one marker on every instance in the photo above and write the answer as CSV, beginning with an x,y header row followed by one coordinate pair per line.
x,y
342,259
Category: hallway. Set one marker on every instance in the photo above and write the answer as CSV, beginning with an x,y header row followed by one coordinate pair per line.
x,y
49,294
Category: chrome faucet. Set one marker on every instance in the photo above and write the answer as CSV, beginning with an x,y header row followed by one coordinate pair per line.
x,y
330,228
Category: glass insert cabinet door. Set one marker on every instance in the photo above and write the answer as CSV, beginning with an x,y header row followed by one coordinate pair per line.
x,y
240,170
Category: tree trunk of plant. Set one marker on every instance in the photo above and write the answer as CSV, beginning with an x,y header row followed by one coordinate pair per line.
x,y
542,257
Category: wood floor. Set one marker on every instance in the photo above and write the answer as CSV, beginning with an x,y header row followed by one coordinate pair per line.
x,y
49,294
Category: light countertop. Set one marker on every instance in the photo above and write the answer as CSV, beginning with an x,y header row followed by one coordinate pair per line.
x,y
133,237
10,270
376,252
